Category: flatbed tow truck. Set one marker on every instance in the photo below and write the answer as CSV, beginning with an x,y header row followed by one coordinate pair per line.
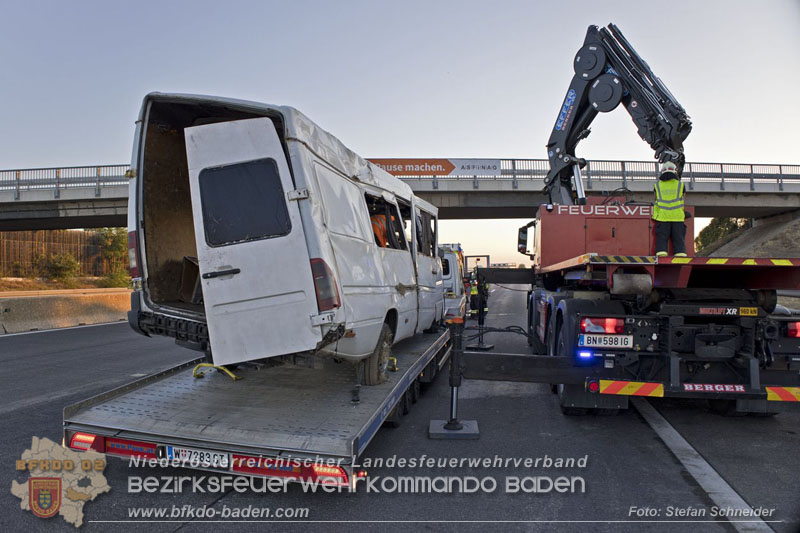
x,y
290,422
606,319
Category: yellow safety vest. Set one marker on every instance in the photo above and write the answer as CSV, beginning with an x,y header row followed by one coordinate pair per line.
x,y
473,291
669,201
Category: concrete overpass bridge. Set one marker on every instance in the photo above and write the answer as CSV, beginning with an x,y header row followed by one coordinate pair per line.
x,y
97,196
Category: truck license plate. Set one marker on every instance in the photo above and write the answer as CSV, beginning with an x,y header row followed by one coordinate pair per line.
x,y
606,341
199,458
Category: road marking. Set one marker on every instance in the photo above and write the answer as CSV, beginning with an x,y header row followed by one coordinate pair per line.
x,y
138,375
2,336
27,403
720,492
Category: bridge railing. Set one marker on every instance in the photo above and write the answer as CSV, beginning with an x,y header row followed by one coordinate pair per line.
x,y
602,173
598,174
61,178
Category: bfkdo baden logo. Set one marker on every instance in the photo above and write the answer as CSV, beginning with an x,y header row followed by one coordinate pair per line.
x,y
44,496
60,480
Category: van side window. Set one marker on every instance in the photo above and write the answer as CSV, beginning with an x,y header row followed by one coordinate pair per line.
x,y
426,234
386,225
405,214
243,202
445,267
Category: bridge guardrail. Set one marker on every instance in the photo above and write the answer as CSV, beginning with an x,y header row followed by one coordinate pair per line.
x,y
759,176
60,178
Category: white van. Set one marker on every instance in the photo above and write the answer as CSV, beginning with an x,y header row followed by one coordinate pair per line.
x,y
455,299
253,233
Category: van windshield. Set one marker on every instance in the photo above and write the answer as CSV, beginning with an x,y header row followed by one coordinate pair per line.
x,y
243,202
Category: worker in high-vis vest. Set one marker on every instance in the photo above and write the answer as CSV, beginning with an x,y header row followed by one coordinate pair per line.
x,y
474,303
668,212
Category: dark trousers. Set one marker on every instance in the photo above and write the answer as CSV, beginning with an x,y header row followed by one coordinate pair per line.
x,y
671,230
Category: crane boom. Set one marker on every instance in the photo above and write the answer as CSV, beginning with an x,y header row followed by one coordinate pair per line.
x,y
608,71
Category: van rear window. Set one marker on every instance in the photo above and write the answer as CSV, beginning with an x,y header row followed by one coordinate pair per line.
x,y
243,202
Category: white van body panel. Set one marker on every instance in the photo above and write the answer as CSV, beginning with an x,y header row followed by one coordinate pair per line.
x,y
369,276
455,300
265,308
375,284
429,270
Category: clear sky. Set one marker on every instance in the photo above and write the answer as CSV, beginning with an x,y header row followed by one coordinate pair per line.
x,y
396,79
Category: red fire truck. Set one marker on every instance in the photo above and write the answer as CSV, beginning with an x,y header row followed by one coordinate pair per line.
x,y
618,321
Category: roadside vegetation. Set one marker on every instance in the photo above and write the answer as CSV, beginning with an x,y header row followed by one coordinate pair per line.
x,y
719,232
62,270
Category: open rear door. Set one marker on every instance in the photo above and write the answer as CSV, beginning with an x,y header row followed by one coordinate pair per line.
x,y
258,289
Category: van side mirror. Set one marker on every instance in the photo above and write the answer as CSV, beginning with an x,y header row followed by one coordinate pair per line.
x,y
522,239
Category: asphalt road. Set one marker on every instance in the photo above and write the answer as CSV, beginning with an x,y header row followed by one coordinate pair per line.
x,y
627,464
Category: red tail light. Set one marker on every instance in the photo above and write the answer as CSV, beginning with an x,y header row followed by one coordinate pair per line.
x,y
603,325
325,285
87,441
793,329
133,255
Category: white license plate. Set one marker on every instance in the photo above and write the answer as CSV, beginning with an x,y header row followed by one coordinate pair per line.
x,y
606,341
199,458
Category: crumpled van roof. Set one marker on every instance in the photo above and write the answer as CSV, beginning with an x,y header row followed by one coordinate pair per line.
x,y
302,129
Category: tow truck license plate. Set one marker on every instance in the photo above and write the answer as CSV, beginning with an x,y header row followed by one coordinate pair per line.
x,y
606,341
199,458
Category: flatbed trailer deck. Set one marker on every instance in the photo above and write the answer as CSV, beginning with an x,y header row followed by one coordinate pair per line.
x,y
281,415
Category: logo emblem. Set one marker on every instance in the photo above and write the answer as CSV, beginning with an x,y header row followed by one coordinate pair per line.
x,y
45,496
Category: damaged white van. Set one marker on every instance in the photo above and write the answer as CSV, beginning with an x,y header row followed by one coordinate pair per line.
x,y
253,233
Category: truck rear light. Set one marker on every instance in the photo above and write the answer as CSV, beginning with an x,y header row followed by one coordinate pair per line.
x,y
609,326
793,329
133,255
593,386
290,469
324,285
87,441
329,475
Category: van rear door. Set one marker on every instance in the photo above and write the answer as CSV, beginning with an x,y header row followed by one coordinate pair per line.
x,y
258,290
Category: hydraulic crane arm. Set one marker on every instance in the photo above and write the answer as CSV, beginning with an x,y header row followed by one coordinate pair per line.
x,y
609,71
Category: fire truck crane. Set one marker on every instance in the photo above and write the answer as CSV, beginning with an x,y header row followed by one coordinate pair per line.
x,y
608,71
607,319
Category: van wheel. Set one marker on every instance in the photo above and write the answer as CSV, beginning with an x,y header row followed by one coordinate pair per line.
x,y
377,363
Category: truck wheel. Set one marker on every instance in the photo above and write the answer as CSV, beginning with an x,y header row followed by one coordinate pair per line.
x,y
539,348
415,390
406,401
725,407
376,364
396,415
568,410
561,351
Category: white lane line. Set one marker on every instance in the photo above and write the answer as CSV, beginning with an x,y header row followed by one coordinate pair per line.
x,y
27,403
722,494
2,336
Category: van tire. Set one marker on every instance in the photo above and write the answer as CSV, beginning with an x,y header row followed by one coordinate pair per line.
x,y
377,363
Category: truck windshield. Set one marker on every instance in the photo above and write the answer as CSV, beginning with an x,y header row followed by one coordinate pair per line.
x,y
243,202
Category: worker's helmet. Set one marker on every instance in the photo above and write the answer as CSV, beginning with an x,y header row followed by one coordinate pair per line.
x,y
669,167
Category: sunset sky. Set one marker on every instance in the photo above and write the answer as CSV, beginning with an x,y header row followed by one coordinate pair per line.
x,y
396,79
